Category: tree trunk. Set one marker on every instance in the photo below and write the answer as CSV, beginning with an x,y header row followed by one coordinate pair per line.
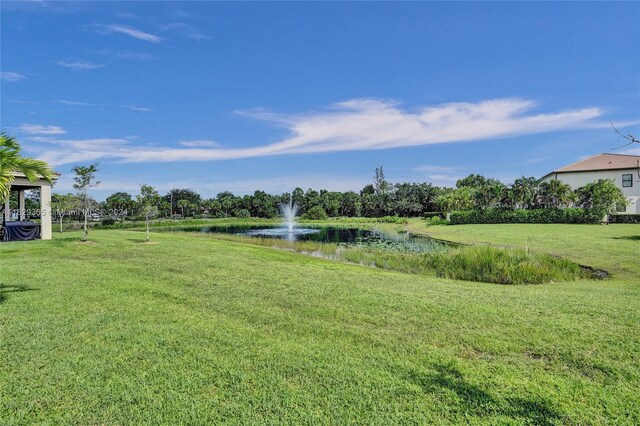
x,y
61,224
84,232
147,229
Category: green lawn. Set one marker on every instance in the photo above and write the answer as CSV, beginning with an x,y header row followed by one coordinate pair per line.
x,y
195,330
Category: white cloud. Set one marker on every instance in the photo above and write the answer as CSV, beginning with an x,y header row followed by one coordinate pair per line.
x,y
132,32
536,160
273,185
367,124
211,187
199,143
186,30
79,65
632,151
38,129
79,103
427,168
137,108
125,54
71,103
11,76
443,179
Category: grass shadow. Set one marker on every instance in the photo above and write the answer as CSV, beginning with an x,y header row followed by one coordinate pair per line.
x,y
628,237
141,241
475,400
12,288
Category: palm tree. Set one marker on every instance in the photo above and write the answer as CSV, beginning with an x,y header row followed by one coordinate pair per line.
x,y
12,162
556,194
524,192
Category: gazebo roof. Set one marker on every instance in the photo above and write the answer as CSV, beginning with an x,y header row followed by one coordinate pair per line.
x,y
20,180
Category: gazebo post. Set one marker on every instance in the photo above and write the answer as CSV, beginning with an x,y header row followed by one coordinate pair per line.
x,y
22,208
7,209
45,212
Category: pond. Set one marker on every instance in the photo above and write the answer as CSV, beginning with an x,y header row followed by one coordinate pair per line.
x,y
328,234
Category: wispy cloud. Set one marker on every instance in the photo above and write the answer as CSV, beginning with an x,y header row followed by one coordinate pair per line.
x,y
427,168
79,103
12,76
79,65
185,30
211,187
536,160
132,32
138,108
126,54
199,143
439,175
368,124
632,151
38,129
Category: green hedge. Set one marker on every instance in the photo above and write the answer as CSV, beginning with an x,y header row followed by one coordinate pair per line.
x,y
624,218
569,215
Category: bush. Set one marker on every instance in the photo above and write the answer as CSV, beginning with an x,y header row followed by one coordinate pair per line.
x,y
568,215
108,221
624,218
391,219
437,220
315,213
430,215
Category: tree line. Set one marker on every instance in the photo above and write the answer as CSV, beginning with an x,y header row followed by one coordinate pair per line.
x,y
378,199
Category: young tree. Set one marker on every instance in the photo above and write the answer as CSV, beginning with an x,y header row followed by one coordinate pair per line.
x,y
148,201
383,191
85,179
62,205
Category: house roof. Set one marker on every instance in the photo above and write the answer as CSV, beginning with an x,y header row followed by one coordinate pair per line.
x,y
602,162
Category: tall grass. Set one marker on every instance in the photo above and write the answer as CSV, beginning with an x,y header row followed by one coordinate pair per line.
x,y
503,266
469,263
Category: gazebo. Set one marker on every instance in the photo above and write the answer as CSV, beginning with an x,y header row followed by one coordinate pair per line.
x,y
20,185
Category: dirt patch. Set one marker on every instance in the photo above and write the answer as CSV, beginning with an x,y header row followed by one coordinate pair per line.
x,y
86,242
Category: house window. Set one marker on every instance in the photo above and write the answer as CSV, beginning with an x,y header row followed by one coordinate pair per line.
x,y
627,181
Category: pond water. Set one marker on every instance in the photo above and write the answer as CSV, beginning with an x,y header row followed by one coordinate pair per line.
x,y
329,234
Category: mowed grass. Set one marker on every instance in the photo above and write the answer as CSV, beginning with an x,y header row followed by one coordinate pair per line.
x,y
195,330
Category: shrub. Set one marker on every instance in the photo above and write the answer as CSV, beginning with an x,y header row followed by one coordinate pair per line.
x,y
391,219
315,213
437,220
624,218
568,215
430,215
108,221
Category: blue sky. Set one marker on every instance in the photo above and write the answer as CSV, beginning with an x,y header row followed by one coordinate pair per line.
x,y
246,96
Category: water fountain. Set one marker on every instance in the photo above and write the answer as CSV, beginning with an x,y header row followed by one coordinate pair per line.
x,y
288,230
289,212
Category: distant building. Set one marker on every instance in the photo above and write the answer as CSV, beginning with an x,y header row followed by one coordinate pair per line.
x,y
623,170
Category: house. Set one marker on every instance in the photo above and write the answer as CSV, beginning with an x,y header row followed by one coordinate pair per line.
x,y
21,228
623,170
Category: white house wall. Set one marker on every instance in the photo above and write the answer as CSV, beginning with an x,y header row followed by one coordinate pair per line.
x,y
579,179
